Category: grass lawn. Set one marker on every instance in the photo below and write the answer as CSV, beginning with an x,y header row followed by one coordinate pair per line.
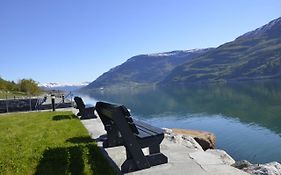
x,y
48,143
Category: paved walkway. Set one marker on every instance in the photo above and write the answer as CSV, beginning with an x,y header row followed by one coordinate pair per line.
x,y
182,160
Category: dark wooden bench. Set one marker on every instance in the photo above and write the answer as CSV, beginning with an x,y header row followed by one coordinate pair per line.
x,y
122,130
85,111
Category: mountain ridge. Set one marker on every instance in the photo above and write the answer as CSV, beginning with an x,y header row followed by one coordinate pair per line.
x,y
272,25
144,69
254,55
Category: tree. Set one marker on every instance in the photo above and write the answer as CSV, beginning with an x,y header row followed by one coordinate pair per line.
x,y
3,84
29,86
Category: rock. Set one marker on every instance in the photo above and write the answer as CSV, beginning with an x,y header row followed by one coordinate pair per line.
x,y
205,139
185,140
272,168
212,157
223,156
241,164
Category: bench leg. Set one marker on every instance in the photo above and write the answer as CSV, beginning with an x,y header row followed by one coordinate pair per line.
x,y
128,155
154,149
132,165
155,159
88,113
112,139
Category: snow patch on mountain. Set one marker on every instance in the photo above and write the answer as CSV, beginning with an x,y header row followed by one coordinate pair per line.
x,y
55,84
63,86
172,53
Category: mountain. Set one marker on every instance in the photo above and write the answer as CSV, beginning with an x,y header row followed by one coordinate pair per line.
x,y
63,86
272,29
144,69
254,55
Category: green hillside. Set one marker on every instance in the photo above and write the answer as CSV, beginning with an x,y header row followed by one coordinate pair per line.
x,y
144,70
254,55
21,88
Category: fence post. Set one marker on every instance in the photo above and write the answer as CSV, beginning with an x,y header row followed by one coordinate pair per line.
x,y
53,102
30,107
7,104
71,95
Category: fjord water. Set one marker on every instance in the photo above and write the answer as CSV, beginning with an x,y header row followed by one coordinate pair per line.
x,y
245,117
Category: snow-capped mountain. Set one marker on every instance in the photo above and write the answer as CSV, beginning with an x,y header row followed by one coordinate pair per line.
x,y
63,86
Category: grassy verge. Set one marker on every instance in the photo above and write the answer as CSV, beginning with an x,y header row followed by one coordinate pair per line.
x,y
48,143
4,95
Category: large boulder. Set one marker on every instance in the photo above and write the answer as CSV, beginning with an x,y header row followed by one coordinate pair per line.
x,y
240,164
272,168
222,156
184,140
212,157
205,139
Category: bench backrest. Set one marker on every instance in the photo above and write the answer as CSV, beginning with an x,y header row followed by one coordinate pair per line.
x,y
79,102
106,112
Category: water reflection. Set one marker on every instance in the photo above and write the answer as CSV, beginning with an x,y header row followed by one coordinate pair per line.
x,y
234,112
258,103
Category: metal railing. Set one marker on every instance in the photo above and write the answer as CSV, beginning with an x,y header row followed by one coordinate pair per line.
x,y
34,103
63,99
18,104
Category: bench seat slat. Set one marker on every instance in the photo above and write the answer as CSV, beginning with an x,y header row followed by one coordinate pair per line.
x,y
139,123
148,132
143,134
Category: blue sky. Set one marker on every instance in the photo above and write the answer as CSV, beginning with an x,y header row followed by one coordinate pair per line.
x,y
76,41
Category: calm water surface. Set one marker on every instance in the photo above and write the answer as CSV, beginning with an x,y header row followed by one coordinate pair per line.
x,y
245,117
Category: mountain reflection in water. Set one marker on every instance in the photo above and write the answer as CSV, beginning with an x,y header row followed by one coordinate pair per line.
x,y
246,117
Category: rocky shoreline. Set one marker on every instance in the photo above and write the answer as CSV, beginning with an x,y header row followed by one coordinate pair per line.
x,y
205,141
